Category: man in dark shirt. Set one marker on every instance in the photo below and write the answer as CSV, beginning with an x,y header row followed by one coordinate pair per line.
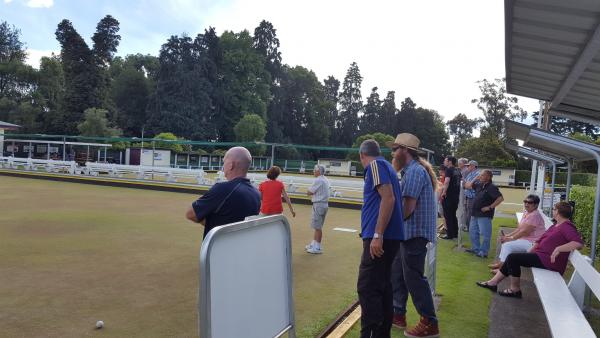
x,y
487,197
231,201
450,196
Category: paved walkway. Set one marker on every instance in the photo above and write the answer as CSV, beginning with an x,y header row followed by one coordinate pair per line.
x,y
512,317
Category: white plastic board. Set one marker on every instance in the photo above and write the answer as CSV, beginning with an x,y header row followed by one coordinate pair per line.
x,y
246,280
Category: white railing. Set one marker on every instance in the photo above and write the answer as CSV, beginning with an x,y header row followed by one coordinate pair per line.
x,y
294,184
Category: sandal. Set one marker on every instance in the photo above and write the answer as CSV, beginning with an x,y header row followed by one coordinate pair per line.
x,y
485,285
511,293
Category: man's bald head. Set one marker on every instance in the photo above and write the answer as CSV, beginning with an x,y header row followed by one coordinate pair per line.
x,y
236,162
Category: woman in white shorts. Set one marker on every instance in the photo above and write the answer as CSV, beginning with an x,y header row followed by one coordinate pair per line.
x,y
530,229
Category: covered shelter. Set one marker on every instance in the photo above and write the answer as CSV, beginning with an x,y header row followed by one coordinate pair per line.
x,y
552,53
57,149
5,126
552,160
570,149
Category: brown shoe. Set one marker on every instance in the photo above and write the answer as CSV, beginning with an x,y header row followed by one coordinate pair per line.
x,y
399,321
424,329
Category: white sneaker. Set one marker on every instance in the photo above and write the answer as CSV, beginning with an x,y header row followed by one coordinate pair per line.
x,y
308,247
314,251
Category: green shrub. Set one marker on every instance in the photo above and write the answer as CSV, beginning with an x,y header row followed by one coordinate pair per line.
x,y
584,179
584,198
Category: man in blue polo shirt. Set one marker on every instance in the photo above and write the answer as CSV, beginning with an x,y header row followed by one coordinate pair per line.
x,y
231,201
381,231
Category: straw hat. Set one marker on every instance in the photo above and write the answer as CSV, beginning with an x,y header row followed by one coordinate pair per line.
x,y
407,140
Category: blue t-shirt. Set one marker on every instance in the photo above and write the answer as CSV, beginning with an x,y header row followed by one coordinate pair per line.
x,y
227,202
380,172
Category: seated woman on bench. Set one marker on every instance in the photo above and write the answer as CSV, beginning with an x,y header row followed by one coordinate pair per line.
x,y
530,229
550,252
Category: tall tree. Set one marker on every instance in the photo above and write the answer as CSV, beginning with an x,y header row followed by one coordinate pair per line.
x,y
331,87
372,112
496,106
17,79
387,117
431,130
52,89
130,92
461,128
267,45
304,104
106,40
182,101
81,76
19,102
350,105
406,119
246,83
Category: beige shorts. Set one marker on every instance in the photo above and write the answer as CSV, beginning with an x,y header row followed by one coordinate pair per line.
x,y
319,211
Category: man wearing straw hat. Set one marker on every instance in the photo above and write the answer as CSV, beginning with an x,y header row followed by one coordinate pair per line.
x,y
419,209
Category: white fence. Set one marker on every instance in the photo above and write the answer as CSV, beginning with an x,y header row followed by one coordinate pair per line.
x,y
340,188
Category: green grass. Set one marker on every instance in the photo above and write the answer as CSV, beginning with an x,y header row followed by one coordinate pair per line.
x,y
72,254
463,310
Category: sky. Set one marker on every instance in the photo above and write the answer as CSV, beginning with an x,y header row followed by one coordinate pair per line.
x,y
431,51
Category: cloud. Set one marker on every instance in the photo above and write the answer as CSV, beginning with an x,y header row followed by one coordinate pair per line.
x,y
35,55
7,1
39,3
433,56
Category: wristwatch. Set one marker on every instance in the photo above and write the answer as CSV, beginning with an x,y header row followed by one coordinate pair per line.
x,y
376,236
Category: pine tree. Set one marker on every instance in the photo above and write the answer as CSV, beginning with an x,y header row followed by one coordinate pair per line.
x,y
331,90
81,76
386,122
372,111
350,105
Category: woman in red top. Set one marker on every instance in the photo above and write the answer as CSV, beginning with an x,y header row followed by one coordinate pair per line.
x,y
551,252
271,192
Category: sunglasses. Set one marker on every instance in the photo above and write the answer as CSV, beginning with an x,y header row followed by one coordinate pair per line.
x,y
396,148
528,202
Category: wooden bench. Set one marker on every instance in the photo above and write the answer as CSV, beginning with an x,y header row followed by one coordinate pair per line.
x,y
562,302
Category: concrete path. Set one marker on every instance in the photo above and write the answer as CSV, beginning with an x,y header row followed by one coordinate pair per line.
x,y
512,317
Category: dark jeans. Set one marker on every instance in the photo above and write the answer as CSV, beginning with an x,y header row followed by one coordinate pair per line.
x,y
375,290
514,262
450,204
408,277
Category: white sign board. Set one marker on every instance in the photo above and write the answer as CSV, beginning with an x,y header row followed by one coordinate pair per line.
x,y
246,280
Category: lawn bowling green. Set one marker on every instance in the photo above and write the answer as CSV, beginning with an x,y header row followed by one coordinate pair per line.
x,y
72,254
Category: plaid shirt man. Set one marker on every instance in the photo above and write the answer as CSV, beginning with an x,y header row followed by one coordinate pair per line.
x,y
416,183
470,177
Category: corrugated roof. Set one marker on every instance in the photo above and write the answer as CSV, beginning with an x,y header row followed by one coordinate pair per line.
x,y
552,54
551,143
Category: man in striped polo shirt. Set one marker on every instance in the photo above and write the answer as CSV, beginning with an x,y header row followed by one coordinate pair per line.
x,y
319,192
381,232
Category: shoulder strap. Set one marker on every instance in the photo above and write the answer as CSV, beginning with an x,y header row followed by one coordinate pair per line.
x,y
227,197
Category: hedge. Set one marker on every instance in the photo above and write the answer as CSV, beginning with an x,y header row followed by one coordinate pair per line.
x,y
583,179
584,198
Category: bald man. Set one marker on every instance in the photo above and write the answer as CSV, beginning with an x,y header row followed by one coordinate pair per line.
x,y
231,201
